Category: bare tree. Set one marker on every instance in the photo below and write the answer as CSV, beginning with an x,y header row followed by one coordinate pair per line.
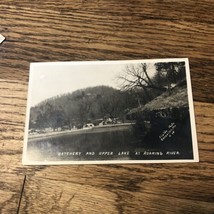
x,y
136,76
167,75
137,79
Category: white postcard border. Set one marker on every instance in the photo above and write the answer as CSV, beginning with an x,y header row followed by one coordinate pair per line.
x,y
37,65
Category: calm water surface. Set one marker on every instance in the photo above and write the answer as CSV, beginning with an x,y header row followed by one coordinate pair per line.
x,y
120,142
62,147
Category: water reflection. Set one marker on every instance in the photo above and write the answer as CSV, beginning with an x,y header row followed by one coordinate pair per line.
x,y
114,141
107,140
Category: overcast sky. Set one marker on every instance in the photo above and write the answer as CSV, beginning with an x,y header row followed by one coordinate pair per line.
x,y
51,79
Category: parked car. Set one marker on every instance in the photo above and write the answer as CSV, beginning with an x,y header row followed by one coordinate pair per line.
x,y
88,126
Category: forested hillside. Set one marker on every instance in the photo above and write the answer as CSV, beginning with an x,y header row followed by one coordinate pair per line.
x,y
82,106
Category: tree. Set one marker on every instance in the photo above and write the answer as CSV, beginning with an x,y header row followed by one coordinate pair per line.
x,y
110,105
136,76
83,103
146,86
49,116
137,79
169,73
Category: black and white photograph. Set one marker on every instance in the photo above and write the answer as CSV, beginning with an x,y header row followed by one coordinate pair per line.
x,y
133,111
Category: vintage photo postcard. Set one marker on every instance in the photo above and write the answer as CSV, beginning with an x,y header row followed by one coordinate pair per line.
x,y
136,111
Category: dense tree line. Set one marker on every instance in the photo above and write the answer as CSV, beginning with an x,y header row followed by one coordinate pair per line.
x,y
81,107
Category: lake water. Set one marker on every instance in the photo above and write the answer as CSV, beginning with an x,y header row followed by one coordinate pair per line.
x,y
109,143
90,144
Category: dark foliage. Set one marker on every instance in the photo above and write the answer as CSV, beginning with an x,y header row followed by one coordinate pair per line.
x,y
81,107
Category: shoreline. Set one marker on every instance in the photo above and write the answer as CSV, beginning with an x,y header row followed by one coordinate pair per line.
x,y
95,129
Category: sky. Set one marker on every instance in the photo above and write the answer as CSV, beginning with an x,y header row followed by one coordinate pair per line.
x,y
51,79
